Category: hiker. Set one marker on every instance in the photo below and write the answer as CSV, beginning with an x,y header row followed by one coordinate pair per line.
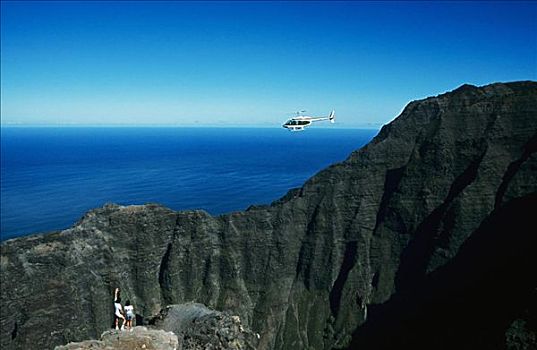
x,y
129,313
118,310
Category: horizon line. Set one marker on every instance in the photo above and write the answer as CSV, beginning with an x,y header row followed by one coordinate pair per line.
x,y
74,125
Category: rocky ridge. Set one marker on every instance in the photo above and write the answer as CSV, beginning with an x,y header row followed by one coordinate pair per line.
x,y
137,339
188,326
309,269
200,328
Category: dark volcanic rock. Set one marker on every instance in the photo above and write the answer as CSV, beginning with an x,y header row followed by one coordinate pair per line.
x,y
470,302
200,328
304,271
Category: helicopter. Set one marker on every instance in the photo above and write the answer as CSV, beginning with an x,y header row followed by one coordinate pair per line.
x,y
299,122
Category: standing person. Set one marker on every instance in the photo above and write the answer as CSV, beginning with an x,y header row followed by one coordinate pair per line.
x,y
118,312
129,313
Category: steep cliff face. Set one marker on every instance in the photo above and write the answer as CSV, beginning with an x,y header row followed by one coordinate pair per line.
x,y
484,298
302,271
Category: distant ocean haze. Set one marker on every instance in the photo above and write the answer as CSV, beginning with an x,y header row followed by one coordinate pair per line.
x,y
51,176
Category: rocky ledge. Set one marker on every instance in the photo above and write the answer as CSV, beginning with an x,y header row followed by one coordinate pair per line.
x,y
366,244
137,338
200,328
188,326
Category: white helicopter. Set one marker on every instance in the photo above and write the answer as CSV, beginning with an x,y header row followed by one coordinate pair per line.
x,y
299,122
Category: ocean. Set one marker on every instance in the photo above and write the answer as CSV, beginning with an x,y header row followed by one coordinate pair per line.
x,y
50,176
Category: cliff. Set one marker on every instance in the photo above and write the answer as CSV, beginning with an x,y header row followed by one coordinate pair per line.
x,y
306,271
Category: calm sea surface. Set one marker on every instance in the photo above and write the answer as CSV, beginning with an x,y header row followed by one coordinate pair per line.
x,y
51,176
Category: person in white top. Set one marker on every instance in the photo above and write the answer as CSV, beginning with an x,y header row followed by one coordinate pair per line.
x,y
118,310
129,313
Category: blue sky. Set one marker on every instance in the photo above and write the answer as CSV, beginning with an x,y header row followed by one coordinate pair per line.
x,y
251,63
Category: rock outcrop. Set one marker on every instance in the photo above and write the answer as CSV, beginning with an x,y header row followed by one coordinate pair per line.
x,y
314,266
200,328
138,338
188,326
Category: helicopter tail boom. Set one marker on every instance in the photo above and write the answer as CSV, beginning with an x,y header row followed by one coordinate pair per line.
x,y
332,117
